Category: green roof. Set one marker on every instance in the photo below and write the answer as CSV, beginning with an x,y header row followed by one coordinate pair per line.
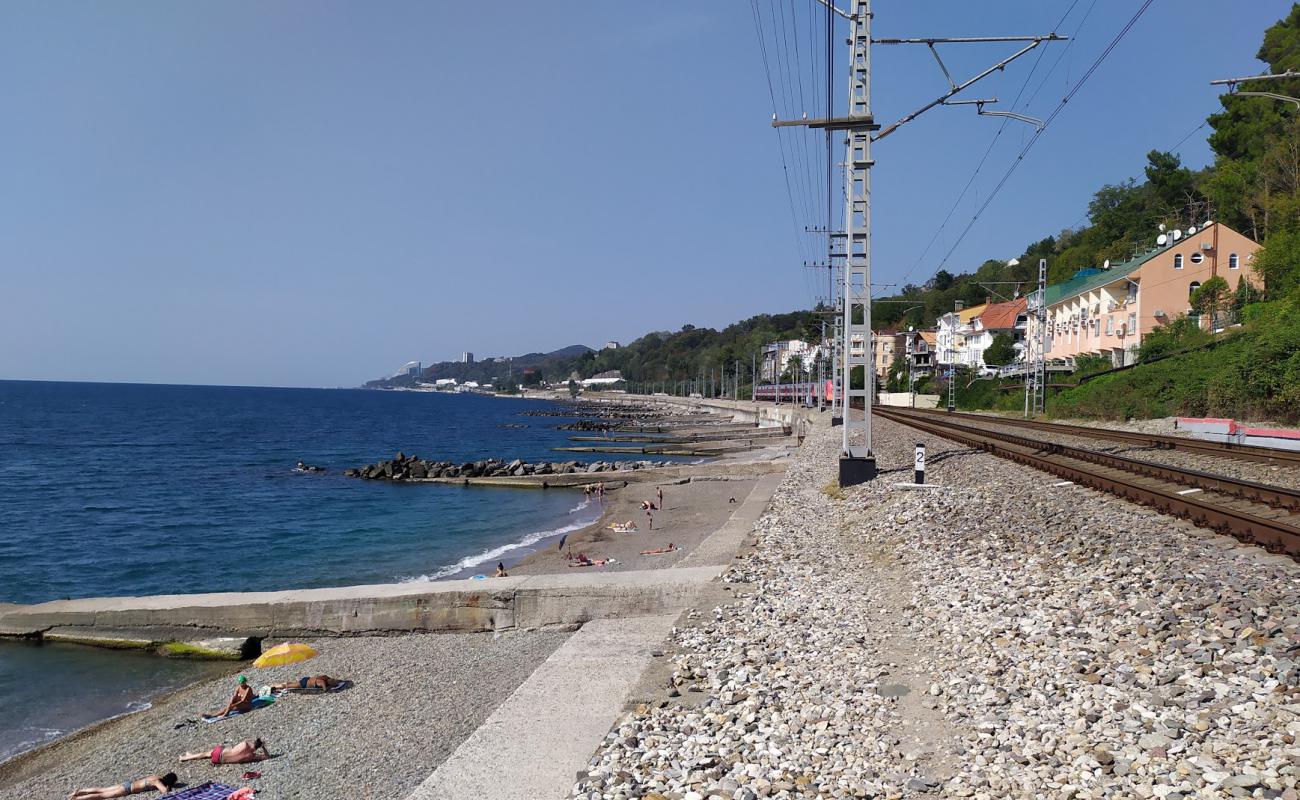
x,y
1086,280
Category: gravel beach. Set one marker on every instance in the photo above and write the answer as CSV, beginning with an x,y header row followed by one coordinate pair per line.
x,y
692,511
414,700
997,637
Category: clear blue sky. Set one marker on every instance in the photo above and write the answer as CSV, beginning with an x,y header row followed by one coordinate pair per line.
x,y
312,193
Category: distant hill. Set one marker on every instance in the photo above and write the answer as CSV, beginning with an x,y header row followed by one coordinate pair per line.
x,y
515,369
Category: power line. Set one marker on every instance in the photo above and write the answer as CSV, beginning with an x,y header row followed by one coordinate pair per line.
x,y
1046,123
997,135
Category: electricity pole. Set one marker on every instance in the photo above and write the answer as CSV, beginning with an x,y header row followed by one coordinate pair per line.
x,y
857,461
1035,349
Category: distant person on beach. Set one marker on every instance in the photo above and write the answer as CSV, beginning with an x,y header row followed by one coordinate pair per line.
x,y
241,701
323,682
150,783
501,570
669,549
659,493
241,753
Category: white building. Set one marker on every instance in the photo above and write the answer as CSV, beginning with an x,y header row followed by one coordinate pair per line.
x,y
603,380
777,355
445,383
467,357
611,345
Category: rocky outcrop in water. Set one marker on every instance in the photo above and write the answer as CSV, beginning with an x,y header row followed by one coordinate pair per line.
x,y
413,468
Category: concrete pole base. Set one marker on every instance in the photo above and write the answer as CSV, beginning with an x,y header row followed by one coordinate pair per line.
x,y
854,471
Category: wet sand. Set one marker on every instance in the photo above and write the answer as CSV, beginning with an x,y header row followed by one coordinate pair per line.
x,y
692,511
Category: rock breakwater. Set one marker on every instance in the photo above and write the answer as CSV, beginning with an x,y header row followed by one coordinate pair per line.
x,y
414,468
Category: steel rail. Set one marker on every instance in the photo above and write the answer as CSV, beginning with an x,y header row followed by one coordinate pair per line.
x,y
1272,534
1268,455
1274,496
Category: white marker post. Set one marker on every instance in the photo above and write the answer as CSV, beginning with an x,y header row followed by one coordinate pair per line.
x,y
919,464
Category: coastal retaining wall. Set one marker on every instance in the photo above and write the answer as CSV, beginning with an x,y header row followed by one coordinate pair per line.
x,y
439,606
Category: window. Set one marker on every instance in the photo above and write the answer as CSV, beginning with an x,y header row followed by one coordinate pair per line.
x,y
1178,261
1110,325
1197,258
1192,287
1233,263
1132,322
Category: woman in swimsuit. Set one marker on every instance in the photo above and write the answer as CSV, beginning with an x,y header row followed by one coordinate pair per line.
x,y
241,753
161,783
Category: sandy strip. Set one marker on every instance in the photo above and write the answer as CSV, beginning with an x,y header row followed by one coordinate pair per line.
x,y
691,512
415,699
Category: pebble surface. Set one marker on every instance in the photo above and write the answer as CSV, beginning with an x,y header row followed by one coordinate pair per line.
x,y
996,637
415,699
1256,471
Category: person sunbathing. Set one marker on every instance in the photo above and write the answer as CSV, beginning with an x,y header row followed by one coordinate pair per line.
x,y
149,783
241,753
322,682
669,549
241,701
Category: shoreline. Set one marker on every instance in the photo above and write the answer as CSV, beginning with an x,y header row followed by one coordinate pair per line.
x,y
415,698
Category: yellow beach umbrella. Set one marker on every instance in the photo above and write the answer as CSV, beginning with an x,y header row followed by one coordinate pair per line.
x,y
287,653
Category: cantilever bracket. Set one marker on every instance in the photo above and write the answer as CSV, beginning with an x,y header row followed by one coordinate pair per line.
x,y
954,88
831,6
1282,97
979,109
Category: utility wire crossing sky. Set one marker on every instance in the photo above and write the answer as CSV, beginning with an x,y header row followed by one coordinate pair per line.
x,y
294,193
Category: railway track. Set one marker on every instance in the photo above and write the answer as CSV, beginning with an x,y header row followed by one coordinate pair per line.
x,y
1262,514
1267,455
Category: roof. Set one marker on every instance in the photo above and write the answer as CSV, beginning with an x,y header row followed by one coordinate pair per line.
x,y
1000,316
1085,280
929,337
968,314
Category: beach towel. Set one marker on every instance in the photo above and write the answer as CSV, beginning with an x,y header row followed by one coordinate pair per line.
x,y
258,702
314,690
204,791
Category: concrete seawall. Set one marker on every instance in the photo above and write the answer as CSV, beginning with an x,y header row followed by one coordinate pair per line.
x,y
461,605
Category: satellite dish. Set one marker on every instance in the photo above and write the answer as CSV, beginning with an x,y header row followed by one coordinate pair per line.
x,y
1207,224
1161,239
1162,227
1177,234
1191,230
1105,264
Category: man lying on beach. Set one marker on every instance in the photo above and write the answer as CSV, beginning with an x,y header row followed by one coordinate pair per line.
x,y
241,701
623,527
669,549
581,560
322,682
241,753
149,783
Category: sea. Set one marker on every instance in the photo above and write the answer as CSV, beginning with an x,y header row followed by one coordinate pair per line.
x,y
131,489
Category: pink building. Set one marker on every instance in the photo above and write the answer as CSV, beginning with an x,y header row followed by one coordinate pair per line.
x,y
1106,312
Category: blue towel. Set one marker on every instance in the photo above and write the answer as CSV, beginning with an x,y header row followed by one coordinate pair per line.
x,y
204,791
258,702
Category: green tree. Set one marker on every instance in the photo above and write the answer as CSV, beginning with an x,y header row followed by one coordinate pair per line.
x,y
573,388
896,378
1210,296
1001,351
1278,263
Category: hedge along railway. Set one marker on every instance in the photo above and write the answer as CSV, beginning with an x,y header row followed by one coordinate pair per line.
x,y
1265,515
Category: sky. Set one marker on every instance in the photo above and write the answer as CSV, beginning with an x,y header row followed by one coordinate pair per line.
x,y
256,192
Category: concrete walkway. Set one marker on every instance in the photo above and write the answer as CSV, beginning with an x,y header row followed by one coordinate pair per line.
x,y
533,744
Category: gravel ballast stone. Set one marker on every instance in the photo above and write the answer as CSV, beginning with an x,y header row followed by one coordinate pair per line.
x,y
996,637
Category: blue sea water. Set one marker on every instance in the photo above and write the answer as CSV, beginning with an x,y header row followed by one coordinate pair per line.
x,y
116,489
126,489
